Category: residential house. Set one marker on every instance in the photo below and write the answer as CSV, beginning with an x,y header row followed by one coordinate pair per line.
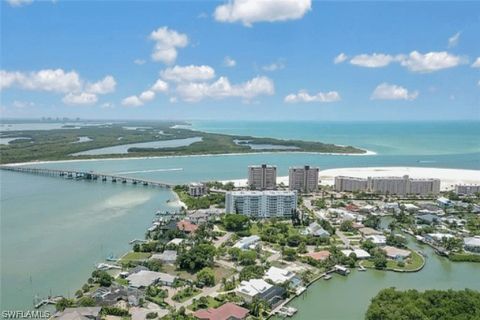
x,y
227,311
83,313
319,255
396,253
144,279
280,276
378,240
247,242
186,226
472,244
316,230
360,253
260,289
167,256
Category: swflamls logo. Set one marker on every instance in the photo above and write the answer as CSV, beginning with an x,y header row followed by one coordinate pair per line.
x,y
26,314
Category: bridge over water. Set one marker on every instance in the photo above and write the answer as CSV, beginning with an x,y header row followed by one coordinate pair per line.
x,y
87,175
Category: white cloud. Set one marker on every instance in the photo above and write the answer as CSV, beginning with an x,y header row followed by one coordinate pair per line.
x,y
159,86
132,101
340,58
104,86
453,40
252,11
375,60
139,61
431,61
279,65
19,3
107,105
222,88
83,98
387,91
166,44
304,96
22,104
229,62
415,61
188,73
476,64
44,80
147,96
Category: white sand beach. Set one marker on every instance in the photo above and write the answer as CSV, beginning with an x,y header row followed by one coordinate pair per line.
x,y
449,177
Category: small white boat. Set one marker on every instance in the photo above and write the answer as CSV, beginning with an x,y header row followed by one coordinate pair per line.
x,y
327,277
362,268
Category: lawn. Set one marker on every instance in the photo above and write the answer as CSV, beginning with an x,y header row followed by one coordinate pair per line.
x,y
135,256
414,262
211,303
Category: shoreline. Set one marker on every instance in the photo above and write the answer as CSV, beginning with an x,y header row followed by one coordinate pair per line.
x,y
367,153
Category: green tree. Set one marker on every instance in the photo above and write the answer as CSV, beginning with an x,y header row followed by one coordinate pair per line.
x,y
206,276
235,222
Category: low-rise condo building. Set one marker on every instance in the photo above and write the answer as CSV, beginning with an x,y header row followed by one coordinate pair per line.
x,y
303,179
467,189
261,204
263,177
388,185
197,189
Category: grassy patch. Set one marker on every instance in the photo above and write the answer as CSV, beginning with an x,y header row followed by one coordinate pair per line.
x,y
135,256
211,303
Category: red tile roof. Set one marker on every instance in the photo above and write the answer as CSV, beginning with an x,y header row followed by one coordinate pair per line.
x,y
228,311
186,226
319,256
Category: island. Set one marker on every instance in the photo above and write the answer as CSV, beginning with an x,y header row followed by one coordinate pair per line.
x,y
143,139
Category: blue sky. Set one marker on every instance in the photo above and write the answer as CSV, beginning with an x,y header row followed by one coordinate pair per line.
x,y
255,60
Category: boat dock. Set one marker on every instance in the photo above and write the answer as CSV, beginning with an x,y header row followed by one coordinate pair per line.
x,y
87,175
49,300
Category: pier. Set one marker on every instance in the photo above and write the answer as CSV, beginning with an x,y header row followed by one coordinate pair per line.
x,y
87,175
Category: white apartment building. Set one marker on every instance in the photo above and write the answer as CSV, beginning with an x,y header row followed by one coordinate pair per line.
x,y
350,184
263,177
388,185
303,179
467,189
261,204
196,189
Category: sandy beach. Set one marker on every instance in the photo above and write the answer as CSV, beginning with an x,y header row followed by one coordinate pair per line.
x,y
449,177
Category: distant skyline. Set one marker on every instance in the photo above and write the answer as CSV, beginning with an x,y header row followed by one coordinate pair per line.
x,y
240,60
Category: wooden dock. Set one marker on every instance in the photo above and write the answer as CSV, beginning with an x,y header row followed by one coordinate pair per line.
x,y
87,175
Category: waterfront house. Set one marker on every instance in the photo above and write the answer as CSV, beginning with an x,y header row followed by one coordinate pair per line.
x,y
109,296
360,253
247,242
227,311
472,244
144,279
319,255
186,226
281,276
167,256
83,313
396,253
437,237
137,269
260,289
377,239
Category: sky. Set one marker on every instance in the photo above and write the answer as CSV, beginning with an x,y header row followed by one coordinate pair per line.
x,y
240,60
